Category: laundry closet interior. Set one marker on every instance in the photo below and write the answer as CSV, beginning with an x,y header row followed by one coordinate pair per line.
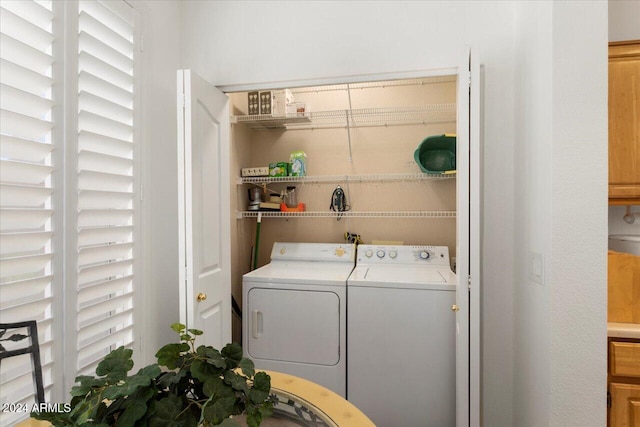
x,y
360,136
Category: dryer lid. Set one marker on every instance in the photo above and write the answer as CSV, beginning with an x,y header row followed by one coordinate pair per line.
x,y
302,272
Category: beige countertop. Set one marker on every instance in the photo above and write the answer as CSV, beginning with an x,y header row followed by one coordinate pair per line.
x,y
623,330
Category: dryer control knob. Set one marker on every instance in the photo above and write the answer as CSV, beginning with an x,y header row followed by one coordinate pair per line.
x,y
380,253
368,253
393,254
424,255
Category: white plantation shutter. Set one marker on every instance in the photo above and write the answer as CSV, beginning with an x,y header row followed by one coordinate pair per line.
x,y
107,203
26,145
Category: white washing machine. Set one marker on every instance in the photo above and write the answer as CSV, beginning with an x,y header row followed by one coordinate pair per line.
x,y
294,312
401,363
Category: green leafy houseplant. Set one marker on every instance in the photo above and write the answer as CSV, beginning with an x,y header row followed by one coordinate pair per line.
x,y
198,387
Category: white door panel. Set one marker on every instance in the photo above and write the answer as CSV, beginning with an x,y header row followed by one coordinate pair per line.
x,y
475,237
468,243
203,174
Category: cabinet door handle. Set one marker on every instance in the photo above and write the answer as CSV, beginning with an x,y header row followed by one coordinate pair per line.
x,y
256,323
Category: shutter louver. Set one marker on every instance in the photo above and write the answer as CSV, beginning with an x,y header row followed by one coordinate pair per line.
x,y
106,202
26,81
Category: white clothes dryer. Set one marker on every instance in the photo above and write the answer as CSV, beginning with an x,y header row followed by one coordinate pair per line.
x,y
401,341
294,312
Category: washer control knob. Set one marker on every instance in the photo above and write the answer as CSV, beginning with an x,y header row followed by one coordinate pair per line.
x,y
424,255
368,253
393,253
380,253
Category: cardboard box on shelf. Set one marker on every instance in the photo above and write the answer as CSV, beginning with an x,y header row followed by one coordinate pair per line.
x,y
279,101
278,169
265,102
255,171
274,102
253,103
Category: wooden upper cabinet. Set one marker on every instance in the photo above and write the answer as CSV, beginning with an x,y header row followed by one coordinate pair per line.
x,y
624,122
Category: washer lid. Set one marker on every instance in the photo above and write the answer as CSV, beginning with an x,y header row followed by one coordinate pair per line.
x,y
317,273
403,277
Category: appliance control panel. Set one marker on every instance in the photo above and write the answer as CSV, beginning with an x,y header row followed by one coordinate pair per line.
x,y
396,254
313,252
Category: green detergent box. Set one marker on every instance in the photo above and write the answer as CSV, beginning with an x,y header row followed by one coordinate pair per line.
x,y
278,169
298,161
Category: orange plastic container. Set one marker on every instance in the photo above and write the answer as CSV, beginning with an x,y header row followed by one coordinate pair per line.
x,y
300,208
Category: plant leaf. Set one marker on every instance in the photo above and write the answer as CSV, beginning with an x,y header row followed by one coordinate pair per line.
x,y
83,411
254,418
132,413
247,367
228,422
212,387
170,355
115,365
262,382
195,331
261,387
221,404
232,354
212,356
170,378
150,371
178,327
220,409
266,410
86,384
168,414
238,382
201,370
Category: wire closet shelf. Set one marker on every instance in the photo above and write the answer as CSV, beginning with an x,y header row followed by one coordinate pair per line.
x,y
363,117
408,177
351,214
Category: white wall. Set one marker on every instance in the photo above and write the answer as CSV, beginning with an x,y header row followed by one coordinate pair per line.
x,y
624,20
624,24
579,242
162,47
533,141
251,42
528,161
561,125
